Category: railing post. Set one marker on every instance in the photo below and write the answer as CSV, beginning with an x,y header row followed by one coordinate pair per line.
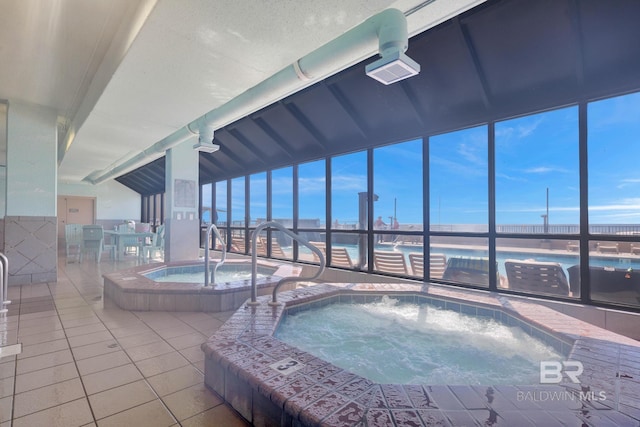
x,y
4,285
254,261
207,261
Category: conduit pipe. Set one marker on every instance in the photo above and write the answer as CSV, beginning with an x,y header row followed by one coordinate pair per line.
x,y
388,28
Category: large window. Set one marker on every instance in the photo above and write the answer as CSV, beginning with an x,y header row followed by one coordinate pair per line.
x,y
537,173
312,194
397,181
538,240
257,199
349,191
614,199
459,177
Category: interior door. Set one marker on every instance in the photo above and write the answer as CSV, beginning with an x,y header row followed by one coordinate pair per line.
x,y
75,210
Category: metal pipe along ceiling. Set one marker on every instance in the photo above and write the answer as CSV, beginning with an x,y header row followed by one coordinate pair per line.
x,y
388,28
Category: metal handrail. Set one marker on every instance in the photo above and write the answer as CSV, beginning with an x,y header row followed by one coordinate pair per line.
x,y
4,285
207,261
254,260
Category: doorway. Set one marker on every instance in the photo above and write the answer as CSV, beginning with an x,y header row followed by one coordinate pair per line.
x,y
75,210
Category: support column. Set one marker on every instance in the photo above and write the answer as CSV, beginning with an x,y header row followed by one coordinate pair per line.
x,y
30,237
182,222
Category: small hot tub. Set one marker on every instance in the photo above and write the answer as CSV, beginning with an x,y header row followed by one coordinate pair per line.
x,y
180,286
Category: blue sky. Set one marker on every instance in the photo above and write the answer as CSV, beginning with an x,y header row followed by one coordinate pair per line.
x,y
533,154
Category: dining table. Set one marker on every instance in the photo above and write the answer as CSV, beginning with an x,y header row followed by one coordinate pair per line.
x,y
119,238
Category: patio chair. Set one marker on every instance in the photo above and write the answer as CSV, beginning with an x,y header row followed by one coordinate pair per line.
x,y
92,240
131,244
73,241
536,277
156,247
390,262
634,248
473,271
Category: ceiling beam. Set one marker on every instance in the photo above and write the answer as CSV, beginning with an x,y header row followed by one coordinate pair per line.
x,y
472,55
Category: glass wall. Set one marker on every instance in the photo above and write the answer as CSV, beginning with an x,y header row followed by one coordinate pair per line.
x,y
237,215
614,199
349,191
458,177
537,173
502,202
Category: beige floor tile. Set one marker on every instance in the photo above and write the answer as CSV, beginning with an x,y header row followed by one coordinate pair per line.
x,y
92,338
39,321
136,328
110,378
71,414
96,349
6,387
176,332
43,348
47,397
191,401
193,354
185,341
70,302
152,414
38,315
5,408
42,337
74,331
38,329
8,367
121,398
199,365
44,361
44,377
220,415
146,337
102,362
79,317
163,363
178,379
149,350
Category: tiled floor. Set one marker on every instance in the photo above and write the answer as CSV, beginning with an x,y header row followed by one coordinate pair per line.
x,y
85,362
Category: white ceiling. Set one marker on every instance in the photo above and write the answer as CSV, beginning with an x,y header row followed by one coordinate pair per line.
x,y
124,74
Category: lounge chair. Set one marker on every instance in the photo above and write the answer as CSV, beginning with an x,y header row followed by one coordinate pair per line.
x,y
390,262
634,248
437,264
537,277
341,258
238,245
610,248
323,247
473,271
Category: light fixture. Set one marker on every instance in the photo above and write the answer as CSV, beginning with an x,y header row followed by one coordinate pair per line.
x,y
392,67
206,147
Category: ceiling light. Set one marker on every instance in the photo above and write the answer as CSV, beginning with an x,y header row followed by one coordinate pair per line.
x,y
392,68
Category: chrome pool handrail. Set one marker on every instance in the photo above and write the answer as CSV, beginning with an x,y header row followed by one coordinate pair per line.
x,y
4,283
207,261
254,260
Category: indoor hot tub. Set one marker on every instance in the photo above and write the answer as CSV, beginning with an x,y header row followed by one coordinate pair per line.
x,y
179,286
273,383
